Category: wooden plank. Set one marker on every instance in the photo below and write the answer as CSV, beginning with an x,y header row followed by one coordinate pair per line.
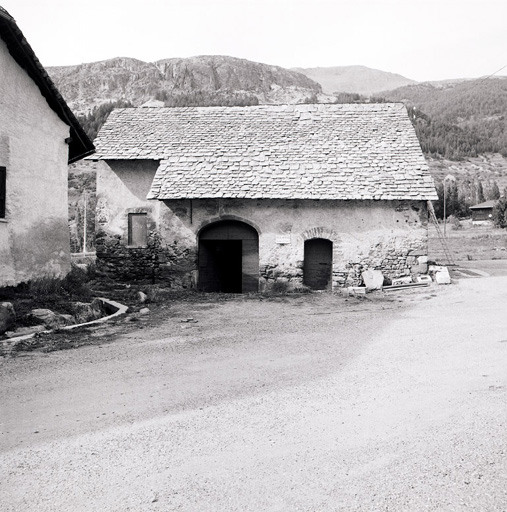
x,y
318,263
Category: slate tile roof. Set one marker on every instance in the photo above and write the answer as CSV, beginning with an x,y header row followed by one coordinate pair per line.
x,y
324,151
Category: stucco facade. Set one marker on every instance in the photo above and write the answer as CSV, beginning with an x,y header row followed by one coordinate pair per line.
x,y
34,151
386,235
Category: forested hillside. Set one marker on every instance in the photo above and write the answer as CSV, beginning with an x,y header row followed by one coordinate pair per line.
x,y
458,120
462,129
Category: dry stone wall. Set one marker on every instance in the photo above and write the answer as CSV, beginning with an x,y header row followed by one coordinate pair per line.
x,y
158,262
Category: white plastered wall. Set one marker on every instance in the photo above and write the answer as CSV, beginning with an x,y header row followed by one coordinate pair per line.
x,y
34,236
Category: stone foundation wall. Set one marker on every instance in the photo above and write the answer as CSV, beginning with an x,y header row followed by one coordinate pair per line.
x,y
159,262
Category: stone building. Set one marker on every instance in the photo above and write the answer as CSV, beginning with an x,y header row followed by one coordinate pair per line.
x,y
235,198
39,135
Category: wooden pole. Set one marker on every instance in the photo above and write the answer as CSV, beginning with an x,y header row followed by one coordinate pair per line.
x,y
84,225
445,201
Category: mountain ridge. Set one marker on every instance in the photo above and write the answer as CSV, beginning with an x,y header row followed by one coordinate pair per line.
x,y
354,79
88,85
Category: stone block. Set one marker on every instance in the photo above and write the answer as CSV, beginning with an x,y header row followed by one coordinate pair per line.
x,y
442,276
357,290
417,252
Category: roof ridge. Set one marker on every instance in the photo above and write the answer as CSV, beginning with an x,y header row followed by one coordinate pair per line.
x,y
268,106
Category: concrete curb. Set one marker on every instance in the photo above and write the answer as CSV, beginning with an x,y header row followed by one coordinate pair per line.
x,y
119,309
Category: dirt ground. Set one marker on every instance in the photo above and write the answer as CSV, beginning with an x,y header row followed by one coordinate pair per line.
x,y
470,242
312,403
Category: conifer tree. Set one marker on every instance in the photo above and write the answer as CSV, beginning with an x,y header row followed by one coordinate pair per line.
x,y
494,193
480,193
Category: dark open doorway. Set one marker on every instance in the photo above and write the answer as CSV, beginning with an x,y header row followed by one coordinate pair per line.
x,y
229,258
318,263
220,265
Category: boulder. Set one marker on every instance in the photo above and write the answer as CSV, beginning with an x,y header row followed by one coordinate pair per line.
x,y
421,268
373,279
84,312
49,318
7,316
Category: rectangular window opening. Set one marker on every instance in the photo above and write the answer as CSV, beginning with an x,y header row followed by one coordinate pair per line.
x,y
138,230
3,189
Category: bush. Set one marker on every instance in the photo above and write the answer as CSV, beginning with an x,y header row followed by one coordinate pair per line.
x,y
301,288
280,287
75,282
44,286
91,271
454,222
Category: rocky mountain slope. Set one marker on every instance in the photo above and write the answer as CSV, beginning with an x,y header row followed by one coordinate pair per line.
x,y
86,86
354,79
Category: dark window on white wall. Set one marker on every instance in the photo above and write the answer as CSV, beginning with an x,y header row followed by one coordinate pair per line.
x,y
3,180
138,230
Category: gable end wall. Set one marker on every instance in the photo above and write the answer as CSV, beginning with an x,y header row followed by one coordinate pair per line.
x,y
34,236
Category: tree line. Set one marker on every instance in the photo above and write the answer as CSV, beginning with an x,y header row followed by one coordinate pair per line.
x,y
458,196
455,121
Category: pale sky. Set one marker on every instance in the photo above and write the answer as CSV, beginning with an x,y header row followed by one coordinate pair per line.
x,y
422,40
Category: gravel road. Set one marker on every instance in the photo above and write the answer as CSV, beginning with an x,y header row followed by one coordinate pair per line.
x,y
310,403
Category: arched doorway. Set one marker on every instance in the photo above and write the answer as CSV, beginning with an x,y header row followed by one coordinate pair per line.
x,y
229,258
318,263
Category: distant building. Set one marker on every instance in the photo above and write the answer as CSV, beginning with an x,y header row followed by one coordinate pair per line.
x,y
483,212
236,198
39,136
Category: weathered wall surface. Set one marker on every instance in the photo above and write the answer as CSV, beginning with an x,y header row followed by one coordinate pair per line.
x,y
386,235
121,189
34,236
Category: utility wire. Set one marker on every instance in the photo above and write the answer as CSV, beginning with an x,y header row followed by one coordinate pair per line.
x,y
493,74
